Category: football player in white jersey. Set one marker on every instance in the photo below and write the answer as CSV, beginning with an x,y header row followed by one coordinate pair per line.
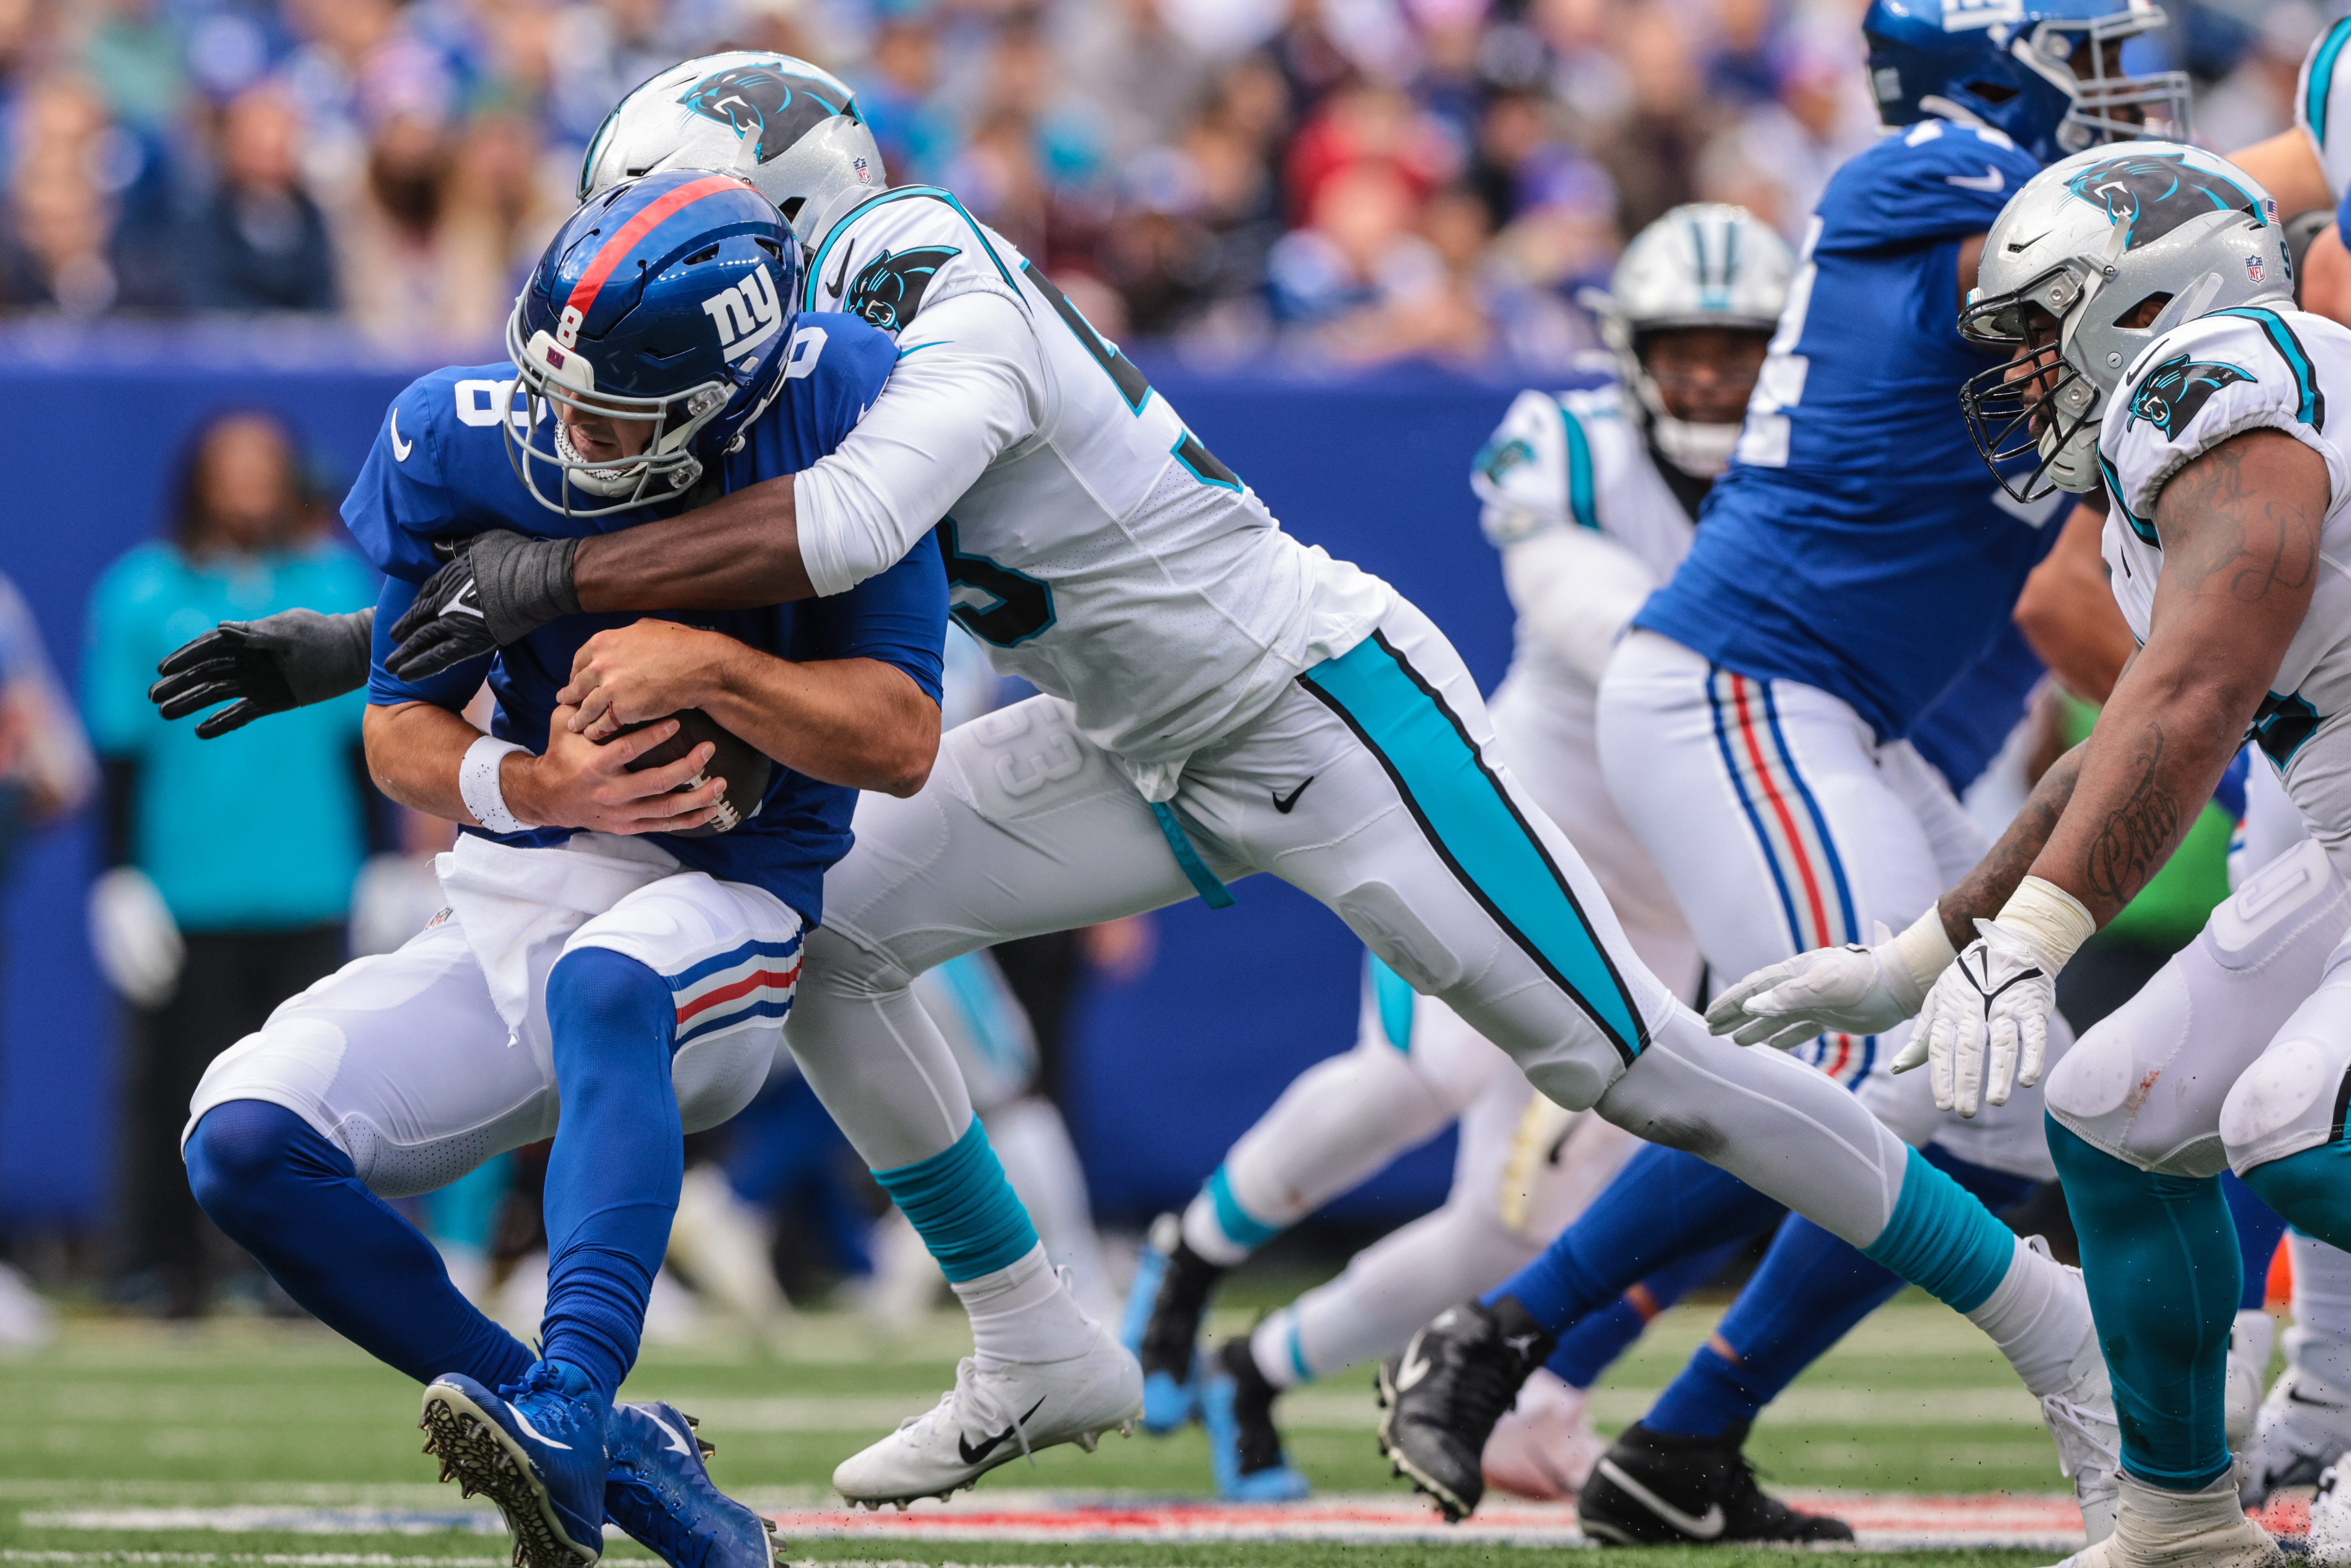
x,y
1590,497
1219,700
2147,298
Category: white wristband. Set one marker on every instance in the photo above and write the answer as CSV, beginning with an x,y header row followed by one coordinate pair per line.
x,y
2054,918
1924,949
479,788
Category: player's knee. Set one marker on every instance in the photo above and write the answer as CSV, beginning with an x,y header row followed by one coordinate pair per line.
x,y
835,966
591,990
242,1152
2286,1100
2128,1088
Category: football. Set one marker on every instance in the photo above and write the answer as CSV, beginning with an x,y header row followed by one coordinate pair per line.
x,y
746,768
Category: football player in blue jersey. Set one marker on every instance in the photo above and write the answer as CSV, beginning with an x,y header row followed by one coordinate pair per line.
x,y
1754,725
622,940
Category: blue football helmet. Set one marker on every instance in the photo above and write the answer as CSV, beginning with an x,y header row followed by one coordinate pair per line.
x,y
667,300
2009,63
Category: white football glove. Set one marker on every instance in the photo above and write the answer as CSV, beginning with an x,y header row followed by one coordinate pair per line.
x,y
1985,1027
137,941
1836,991
1851,989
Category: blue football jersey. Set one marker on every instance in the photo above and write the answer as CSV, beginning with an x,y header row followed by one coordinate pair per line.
x,y
1857,543
439,470
1966,729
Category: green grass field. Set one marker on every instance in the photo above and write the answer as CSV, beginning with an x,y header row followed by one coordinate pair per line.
x,y
118,1417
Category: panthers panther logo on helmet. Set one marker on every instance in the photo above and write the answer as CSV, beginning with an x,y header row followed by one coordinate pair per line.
x,y
2175,390
2153,194
778,108
888,289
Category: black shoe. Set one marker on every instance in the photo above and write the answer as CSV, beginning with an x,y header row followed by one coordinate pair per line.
x,y
1444,1394
1169,1343
1655,1488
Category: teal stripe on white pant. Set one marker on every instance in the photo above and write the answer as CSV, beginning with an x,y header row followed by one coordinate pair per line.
x,y
1475,825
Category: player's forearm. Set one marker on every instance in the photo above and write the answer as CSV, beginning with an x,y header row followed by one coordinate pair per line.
x,y
2287,166
414,751
739,552
1576,591
1982,891
860,723
2159,751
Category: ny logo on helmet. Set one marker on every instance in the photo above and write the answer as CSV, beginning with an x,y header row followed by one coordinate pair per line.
x,y
2152,193
745,315
762,101
2173,393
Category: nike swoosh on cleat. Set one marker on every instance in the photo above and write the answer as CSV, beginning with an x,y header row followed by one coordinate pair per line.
x,y
2301,1398
1284,806
1706,1526
1413,1367
679,1444
399,449
1519,1344
537,1436
972,1456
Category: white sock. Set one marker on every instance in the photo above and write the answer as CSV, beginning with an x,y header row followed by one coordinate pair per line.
x,y
2040,1318
2251,1339
1024,1313
1274,1347
1205,1235
2320,1340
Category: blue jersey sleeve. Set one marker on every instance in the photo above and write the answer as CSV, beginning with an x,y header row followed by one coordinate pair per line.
x,y
1935,181
839,364
399,503
898,616
453,688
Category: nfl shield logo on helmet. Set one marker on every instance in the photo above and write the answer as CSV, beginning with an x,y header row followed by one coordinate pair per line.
x,y
2253,268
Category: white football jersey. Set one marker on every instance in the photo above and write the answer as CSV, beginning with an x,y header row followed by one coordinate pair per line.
x,y
2192,389
1093,545
1575,466
2322,103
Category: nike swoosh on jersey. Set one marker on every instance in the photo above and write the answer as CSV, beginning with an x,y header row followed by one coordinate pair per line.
x,y
1989,182
972,1456
537,1436
1704,1526
399,449
841,279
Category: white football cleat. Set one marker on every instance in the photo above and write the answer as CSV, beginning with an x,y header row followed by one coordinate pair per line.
x,y
2158,1529
994,1412
1544,1446
2080,1417
2329,1541
2304,1426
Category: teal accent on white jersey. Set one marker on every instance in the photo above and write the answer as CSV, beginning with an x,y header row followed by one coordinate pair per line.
x,y
2322,104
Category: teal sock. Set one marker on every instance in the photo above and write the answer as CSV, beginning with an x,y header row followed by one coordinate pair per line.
x,y
2160,1257
1943,1240
962,1206
2311,1190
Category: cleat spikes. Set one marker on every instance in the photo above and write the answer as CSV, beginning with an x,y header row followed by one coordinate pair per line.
x,y
706,1446
691,1421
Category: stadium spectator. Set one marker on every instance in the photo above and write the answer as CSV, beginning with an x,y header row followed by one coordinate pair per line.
x,y
260,243
230,862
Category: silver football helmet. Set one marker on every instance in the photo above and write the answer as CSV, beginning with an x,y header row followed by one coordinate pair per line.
x,y
2155,233
790,129
1703,265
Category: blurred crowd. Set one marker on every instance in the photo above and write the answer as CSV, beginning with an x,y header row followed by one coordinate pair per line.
x,y
1358,180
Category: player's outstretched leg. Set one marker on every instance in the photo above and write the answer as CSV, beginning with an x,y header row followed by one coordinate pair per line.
x,y
2305,1425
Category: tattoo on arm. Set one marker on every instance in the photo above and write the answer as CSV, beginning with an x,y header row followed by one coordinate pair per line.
x,y
2140,832
1983,890
2207,507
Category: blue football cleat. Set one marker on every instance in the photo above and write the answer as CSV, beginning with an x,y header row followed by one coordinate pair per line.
x,y
1244,1445
660,1493
1160,1325
536,1448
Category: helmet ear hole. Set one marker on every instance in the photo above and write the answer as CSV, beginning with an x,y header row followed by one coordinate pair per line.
x,y
2144,313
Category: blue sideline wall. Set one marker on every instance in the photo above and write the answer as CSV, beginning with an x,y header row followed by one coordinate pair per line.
x,y
1171,1067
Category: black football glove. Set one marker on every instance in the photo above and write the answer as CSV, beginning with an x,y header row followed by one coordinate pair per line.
x,y
497,589
288,660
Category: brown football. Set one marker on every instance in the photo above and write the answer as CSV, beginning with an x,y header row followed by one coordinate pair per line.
x,y
746,768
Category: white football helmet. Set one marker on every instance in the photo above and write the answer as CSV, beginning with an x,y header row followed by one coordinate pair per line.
x,y
788,128
1703,265
2084,243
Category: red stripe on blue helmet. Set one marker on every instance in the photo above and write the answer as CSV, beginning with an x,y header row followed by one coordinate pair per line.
x,y
584,292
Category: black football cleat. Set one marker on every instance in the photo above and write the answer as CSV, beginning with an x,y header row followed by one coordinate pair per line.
x,y
1441,1397
1655,1488
1161,1327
